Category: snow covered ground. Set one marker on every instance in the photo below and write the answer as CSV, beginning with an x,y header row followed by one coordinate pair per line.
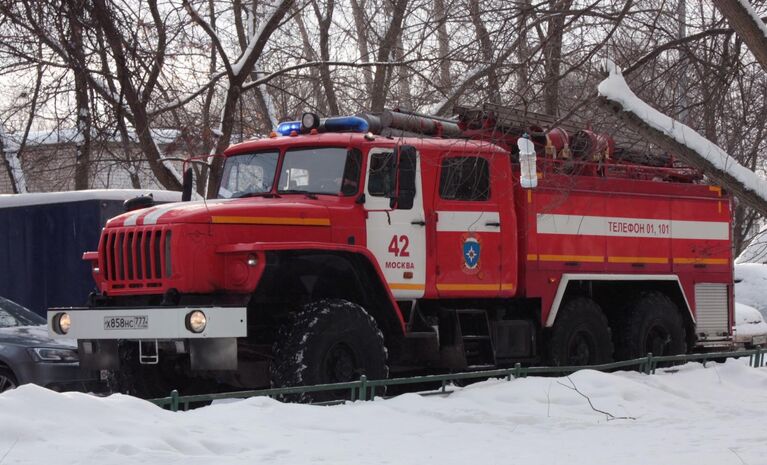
x,y
699,416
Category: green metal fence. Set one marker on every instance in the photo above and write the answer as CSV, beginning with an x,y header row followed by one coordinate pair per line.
x,y
365,389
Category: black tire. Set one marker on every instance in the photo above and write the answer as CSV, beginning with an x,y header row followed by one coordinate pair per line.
x,y
581,335
327,341
652,323
7,380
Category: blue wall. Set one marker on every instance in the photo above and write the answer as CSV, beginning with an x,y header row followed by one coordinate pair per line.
x,y
41,248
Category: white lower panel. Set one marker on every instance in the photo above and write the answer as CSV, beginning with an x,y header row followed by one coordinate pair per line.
x,y
151,323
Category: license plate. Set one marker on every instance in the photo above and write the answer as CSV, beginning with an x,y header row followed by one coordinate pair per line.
x,y
126,322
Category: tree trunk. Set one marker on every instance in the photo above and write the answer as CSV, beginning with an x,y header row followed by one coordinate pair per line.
x,y
325,22
389,41
486,48
361,27
553,55
443,41
75,13
746,27
137,105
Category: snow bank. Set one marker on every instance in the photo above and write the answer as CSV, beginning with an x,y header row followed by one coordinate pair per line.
x,y
749,322
44,198
751,285
694,416
614,88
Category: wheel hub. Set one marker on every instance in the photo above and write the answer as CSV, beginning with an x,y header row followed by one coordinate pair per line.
x,y
6,383
580,349
657,340
340,363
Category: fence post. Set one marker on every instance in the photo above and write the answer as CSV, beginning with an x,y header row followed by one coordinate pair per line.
x,y
517,370
363,388
174,401
648,364
758,359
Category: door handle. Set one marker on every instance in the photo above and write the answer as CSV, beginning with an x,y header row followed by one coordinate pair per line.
x,y
493,224
418,222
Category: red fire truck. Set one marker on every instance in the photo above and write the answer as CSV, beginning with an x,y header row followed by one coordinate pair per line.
x,y
394,243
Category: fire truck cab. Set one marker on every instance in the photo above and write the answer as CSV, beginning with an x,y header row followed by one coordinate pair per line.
x,y
334,251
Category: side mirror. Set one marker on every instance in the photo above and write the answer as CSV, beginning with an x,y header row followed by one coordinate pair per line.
x,y
137,203
407,162
186,190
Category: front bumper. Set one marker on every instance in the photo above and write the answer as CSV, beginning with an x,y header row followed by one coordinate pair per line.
x,y
160,329
149,323
60,377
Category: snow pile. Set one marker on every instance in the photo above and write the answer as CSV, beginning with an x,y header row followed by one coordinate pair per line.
x,y
749,322
751,285
615,89
694,416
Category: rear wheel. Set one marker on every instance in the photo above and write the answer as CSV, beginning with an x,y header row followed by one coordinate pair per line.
x,y
580,335
328,341
652,324
7,380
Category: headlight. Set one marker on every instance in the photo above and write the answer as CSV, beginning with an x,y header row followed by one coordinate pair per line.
x,y
61,323
196,321
44,354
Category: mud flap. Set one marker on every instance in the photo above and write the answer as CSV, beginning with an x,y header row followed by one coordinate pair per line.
x,y
214,353
98,354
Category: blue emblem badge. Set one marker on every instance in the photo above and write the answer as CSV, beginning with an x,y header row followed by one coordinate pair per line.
x,y
471,254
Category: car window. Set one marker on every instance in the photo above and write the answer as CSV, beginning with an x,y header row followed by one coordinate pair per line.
x,y
13,314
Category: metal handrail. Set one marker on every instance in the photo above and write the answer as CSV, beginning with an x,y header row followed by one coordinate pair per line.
x,y
365,389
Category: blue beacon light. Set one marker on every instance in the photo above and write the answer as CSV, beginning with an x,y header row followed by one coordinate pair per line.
x,y
285,128
336,124
345,123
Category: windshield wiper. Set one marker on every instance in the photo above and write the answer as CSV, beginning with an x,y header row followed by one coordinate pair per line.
x,y
308,194
268,195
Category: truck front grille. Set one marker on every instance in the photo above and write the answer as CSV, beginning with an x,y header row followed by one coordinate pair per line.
x,y
136,257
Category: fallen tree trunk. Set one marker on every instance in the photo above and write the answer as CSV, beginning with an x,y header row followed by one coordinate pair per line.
x,y
721,177
681,140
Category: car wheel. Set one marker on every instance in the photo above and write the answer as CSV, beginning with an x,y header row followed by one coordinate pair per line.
x,y
328,341
7,380
580,335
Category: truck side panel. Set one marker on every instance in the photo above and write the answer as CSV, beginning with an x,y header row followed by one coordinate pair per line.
x,y
622,228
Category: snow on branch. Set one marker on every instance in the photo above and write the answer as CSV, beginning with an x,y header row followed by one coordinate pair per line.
x,y
754,17
681,140
265,28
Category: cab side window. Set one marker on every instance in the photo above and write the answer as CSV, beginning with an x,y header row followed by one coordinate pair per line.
x,y
464,178
381,182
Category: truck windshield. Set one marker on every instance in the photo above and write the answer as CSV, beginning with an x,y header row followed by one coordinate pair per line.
x,y
321,170
248,174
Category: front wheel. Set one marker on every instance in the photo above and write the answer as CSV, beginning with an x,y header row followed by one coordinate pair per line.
x,y
580,335
328,341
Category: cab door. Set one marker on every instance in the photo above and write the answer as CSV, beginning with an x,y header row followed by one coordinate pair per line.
x,y
468,228
396,230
